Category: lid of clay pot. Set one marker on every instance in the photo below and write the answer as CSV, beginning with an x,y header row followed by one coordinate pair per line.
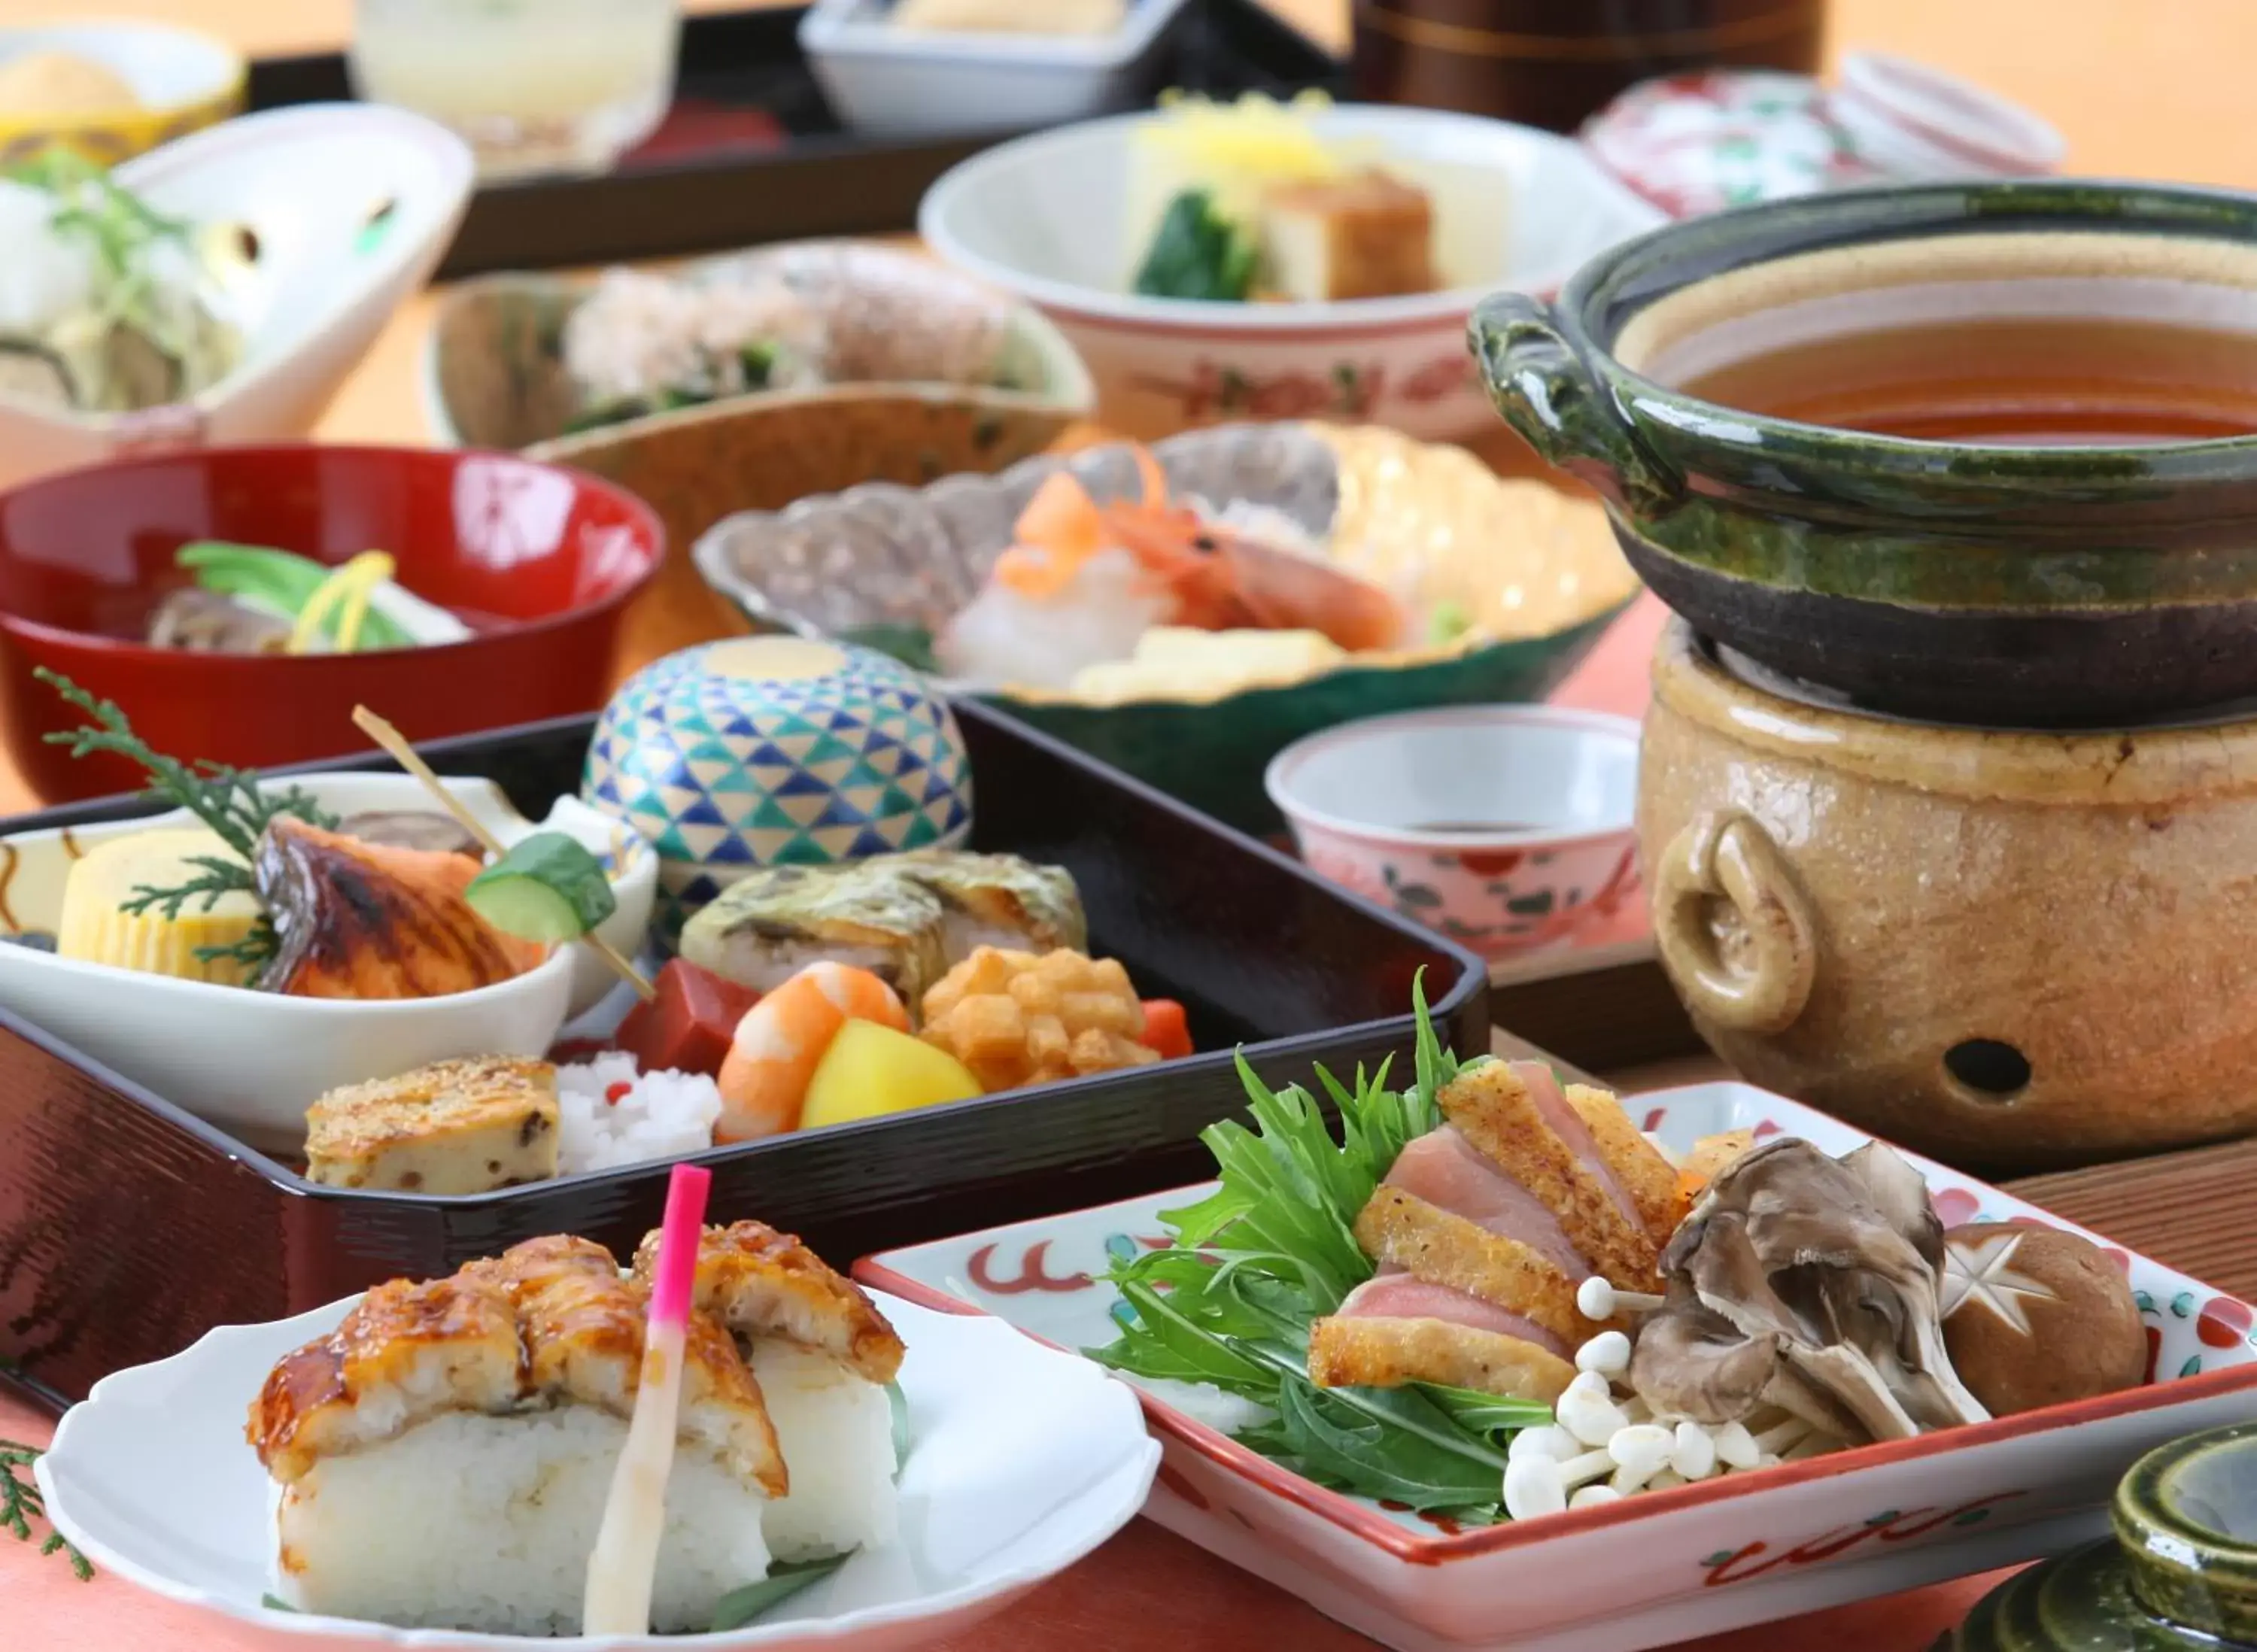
x,y
1699,143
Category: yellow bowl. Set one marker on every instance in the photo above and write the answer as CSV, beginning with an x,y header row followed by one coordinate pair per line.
x,y
182,80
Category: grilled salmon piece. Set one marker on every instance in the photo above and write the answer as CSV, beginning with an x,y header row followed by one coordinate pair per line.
x,y
758,1282
371,921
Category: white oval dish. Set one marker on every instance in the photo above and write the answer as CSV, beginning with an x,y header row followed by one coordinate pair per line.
x,y
1022,1460
252,1062
307,182
1505,827
1043,217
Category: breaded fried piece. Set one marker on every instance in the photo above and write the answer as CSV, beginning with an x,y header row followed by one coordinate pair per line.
x,y
1492,1107
758,1282
1370,1352
408,1353
1649,1179
583,1326
1397,1229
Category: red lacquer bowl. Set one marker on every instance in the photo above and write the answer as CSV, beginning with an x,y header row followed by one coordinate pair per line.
x,y
540,561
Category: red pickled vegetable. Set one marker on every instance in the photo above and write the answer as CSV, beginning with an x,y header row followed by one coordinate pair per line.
x,y
1165,1028
687,1028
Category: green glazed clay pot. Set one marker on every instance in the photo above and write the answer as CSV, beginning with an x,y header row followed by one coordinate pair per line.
x,y
2027,586
2180,1575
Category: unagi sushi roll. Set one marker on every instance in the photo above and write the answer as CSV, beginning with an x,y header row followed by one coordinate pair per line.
x,y
824,1355
443,1459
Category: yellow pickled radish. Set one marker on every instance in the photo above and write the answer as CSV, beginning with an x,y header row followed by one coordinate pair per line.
x,y
871,1071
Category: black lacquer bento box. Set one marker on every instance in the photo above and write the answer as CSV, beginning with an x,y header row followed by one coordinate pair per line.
x,y
128,1227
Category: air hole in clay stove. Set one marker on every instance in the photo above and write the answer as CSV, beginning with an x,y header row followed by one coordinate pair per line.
x,y
1988,1070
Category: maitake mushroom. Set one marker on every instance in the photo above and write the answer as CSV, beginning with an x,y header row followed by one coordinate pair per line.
x,y
1808,1283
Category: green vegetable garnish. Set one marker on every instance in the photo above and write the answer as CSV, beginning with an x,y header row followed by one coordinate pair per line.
x,y
21,1506
548,887
282,584
785,1579
1198,253
1450,621
1229,1302
232,803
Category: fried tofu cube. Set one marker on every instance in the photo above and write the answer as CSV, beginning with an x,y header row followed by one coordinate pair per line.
x,y
1016,1018
454,1128
1366,236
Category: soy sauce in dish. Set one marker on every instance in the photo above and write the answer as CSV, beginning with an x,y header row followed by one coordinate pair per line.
x,y
2036,382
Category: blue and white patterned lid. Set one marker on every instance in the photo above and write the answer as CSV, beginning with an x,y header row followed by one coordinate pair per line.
x,y
776,750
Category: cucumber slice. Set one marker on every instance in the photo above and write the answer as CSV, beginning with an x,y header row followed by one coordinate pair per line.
x,y
548,887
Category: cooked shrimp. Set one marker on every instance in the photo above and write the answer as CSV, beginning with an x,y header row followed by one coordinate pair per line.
x,y
1214,579
773,1055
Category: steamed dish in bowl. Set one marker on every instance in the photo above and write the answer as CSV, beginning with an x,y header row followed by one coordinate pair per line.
x,y
1251,202
251,599
108,306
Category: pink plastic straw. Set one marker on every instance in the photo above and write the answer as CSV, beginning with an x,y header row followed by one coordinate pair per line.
x,y
678,1236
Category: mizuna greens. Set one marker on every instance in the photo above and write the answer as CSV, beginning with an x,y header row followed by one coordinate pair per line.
x,y
1229,1302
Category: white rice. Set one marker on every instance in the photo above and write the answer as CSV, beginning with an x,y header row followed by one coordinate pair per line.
x,y
836,1431
664,1115
484,1523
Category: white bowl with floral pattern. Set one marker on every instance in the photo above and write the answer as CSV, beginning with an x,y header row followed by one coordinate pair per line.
x,y
1661,1566
1508,827
1046,218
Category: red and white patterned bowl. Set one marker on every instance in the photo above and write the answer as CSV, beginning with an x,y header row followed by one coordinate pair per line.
x,y
1507,828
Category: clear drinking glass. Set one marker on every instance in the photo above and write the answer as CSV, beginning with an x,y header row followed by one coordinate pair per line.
x,y
530,85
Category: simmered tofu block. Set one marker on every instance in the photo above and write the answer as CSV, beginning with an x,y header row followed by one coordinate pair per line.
x,y
453,1127
1362,237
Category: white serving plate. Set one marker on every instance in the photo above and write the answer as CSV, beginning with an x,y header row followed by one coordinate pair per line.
x,y
1661,1566
1044,217
1021,1462
915,83
307,182
252,1062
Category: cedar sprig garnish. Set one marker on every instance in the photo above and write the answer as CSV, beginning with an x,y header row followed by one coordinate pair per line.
x,y
230,801
21,1504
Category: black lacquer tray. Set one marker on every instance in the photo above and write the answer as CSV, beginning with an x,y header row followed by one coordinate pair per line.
x,y
752,153
128,1227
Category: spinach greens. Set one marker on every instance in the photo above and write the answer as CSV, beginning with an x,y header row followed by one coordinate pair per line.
x,y
1230,1301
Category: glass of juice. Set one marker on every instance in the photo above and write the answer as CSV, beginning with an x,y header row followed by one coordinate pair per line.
x,y
531,85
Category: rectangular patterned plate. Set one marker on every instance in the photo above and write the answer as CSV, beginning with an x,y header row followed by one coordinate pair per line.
x,y
1661,1566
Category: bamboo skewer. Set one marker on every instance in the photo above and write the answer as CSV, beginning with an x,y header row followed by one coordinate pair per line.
x,y
395,744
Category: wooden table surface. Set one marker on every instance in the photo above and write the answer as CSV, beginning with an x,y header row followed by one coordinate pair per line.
x,y
2141,89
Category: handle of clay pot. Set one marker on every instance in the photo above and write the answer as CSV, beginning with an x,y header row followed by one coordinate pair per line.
x,y
1760,984
1548,391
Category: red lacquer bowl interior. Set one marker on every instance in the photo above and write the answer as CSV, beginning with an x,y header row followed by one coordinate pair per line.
x,y
540,561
